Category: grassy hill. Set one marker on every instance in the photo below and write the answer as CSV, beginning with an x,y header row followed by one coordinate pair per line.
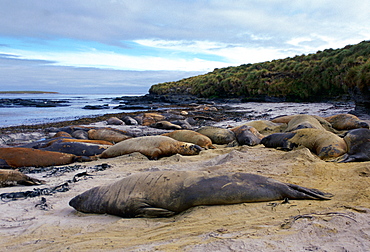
x,y
324,74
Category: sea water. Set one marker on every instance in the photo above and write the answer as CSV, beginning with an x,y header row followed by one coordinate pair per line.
x,y
20,115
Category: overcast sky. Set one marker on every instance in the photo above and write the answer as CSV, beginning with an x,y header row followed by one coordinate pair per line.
x,y
126,46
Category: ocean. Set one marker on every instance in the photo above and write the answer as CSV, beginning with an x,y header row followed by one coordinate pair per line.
x,y
20,115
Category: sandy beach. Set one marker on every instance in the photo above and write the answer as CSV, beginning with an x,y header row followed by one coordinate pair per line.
x,y
339,224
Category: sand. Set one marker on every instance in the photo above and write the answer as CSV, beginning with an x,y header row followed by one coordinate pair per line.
x,y
339,224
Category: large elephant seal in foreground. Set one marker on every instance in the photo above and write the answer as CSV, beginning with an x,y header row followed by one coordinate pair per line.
x,y
191,136
321,142
13,177
217,135
346,122
358,142
165,193
153,147
25,157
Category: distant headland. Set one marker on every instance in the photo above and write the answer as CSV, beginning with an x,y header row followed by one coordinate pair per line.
x,y
27,92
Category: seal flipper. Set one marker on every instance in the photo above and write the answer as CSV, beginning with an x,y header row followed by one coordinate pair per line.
x,y
153,212
308,193
147,211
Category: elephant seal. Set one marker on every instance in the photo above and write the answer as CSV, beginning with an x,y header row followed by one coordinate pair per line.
x,y
166,193
217,135
150,118
323,143
62,134
80,134
25,157
165,125
358,142
247,135
153,147
346,122
78,148
110,135
128,120
304,122
191,136
114,121
266,127
13,177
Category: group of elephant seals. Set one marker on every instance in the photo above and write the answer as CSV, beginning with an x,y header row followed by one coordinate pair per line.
x,y
153,147
166,193
346,122
26,157
323,143
191,136
217,135
14,177
358,142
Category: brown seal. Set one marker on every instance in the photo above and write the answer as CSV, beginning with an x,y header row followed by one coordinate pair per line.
x,y
25,157
14,177
358,142
304,122
79,147
165,125
346,122
266,127
110,135
191,136
114,121
165,193
217,135
323,143
247,135
153,147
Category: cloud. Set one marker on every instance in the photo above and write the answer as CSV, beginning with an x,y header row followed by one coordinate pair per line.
x,y
18,74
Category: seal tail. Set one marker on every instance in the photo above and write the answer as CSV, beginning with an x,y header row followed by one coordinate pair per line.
x,y
309,193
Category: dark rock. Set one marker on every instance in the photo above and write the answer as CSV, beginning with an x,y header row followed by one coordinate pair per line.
x,y
105,106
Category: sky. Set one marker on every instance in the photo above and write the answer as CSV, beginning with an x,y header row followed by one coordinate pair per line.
x,y
108,46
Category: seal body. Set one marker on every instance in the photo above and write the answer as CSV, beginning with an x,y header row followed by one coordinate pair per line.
x,y
165,193
303,122
321,142
191,136
346,122
247,135
153,147
358,142
217,135
165,125
267,127
25,157
13,177
114,121
78,148
109,135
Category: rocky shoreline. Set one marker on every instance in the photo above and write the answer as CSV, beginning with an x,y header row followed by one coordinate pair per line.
x,y
151,103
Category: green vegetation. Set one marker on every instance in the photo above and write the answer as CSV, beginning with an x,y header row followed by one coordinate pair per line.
x,y
317,76
27,92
